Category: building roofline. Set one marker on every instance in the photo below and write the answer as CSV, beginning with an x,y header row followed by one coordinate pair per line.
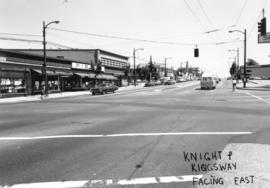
x,y
14,51
10,51
73,49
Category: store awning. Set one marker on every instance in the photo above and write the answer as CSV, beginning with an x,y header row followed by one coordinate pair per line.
x,y
85,75
115,72
106,77
54,73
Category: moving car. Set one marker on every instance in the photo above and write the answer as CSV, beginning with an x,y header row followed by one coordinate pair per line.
x,y
103,89
208,83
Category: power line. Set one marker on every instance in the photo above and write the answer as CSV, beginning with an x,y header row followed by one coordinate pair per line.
x,y
208,19
197,18
33,41
241,11
123,38
23,40
18,34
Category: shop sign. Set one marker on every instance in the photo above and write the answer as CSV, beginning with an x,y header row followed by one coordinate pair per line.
x,y
102,69
3,59
80,66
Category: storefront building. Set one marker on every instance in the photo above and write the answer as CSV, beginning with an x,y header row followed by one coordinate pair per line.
x,y
114,66
22,74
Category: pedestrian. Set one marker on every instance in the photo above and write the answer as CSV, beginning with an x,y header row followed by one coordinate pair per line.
x,y
233,84
42,92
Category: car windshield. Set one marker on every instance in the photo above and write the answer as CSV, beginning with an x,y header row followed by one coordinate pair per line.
x,y
207,78
135,94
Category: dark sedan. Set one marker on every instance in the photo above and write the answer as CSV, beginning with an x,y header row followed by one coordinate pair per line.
x,y
103,89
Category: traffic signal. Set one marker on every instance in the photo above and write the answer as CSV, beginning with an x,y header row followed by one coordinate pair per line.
x,y
196,52
262,26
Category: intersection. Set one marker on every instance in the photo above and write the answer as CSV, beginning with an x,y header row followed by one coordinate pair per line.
x,y
132,137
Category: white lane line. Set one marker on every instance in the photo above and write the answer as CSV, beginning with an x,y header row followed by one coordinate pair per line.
x,y
257,97
121,135
109,182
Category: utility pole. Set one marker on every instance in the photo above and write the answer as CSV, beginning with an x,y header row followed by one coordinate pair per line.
x,y
181,69
45,77
134,58
165,68
166,65
134,70
245,56
45,63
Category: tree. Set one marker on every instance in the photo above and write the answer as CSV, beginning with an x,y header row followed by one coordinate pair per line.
x,y
233,69
152,70
252,62
97,69
126,72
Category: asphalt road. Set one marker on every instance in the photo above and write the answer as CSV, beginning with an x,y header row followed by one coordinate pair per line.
x,y
122,141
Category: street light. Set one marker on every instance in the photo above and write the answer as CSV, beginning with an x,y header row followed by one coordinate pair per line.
x,y
245,51
237,51
134,72
166,65
44,54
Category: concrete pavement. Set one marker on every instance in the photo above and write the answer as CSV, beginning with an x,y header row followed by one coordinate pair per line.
x,y
262,85
136,139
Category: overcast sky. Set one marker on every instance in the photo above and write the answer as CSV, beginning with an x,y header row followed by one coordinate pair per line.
x,y
183,22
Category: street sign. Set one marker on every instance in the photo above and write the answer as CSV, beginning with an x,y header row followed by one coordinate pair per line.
x,y
264,38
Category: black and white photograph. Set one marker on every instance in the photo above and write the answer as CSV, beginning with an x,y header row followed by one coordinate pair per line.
x,y
134,94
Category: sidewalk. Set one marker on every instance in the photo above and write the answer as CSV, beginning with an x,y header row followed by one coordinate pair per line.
x,y
58,95
72,93
260,85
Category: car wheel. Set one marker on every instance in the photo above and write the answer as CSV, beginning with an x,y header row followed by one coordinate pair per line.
x,y
93,93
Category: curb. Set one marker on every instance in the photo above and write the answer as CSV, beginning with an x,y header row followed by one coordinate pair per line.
x,y
255,89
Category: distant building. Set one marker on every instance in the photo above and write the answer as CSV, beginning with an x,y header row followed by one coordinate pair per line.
x,y
257,72
162,71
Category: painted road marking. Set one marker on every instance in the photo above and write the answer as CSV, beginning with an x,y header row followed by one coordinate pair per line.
x,y
122,135
257,97
109,182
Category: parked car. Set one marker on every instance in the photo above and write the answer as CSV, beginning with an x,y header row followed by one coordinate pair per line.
x,y
170,82
158,82
208,83
180,80
103,89
149,84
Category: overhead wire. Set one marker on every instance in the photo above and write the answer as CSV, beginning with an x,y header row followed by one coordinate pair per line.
x,y
241,12
18,34
193,13
33,41
122,38
205,14
135,39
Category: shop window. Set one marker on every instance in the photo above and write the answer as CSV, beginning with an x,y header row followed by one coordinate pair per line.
x,y
12,85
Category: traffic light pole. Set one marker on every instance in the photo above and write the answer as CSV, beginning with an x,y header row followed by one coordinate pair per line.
x,y
245,56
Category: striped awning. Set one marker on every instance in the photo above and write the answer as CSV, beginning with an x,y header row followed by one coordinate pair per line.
x,y
85,75
106,77
54,73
